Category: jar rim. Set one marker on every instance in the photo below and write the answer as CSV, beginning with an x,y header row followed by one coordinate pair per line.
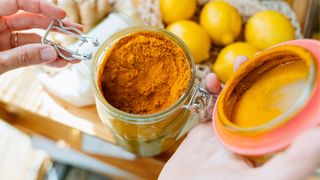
x,y
138,118
299,104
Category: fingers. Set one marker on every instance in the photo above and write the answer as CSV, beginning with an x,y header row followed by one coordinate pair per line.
x,y
299,161
58,63
239,61
212,83
26,55
19,39
26,20
34,6
62,62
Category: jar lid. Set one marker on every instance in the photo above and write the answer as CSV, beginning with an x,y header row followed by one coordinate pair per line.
x,y
278,132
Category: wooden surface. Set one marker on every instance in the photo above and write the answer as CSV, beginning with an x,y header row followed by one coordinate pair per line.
x,y
26,105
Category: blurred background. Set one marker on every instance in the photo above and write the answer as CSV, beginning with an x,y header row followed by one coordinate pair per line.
x,y
48,121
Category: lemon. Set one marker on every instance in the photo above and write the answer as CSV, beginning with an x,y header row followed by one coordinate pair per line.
x,y
194,36
267,28
173,10
223,67
222,21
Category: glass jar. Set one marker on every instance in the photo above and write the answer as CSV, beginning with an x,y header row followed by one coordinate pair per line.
x,y
151,134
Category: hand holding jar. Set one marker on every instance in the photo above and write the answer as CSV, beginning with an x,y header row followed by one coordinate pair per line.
x,y
202,155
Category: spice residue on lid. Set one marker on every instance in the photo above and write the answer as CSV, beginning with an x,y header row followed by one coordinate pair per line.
x,y
276,92
144,73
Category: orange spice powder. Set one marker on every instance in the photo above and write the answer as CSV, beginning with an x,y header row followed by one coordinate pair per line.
x,y
144,73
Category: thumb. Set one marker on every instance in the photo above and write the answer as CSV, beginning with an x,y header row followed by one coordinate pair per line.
x,y
26,55
299,161
239,61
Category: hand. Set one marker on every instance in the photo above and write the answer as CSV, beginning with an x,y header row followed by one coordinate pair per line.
x,y
202,156
19,49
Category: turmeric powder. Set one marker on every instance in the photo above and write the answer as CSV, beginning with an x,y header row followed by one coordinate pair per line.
x,y
144,73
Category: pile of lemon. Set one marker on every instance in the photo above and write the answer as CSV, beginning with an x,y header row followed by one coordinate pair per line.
x,y
220,24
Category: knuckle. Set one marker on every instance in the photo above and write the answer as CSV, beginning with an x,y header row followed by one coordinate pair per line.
x,y
23,57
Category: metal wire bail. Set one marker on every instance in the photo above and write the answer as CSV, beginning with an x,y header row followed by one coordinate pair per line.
x,y
202,103
57,25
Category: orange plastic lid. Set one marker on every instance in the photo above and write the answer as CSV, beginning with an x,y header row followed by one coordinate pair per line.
x,y
280,137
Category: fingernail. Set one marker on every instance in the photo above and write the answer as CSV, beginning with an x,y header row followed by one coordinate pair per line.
x,y
212,83
239,61
48,54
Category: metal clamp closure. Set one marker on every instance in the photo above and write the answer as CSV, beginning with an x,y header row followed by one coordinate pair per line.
x,y
57,25
202,103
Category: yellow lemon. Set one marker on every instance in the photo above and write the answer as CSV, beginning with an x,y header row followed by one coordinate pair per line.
x,y
223,66
194,36
173,10
222,21
267,28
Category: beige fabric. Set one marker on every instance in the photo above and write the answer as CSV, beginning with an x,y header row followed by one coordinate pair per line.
x,y
86,12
